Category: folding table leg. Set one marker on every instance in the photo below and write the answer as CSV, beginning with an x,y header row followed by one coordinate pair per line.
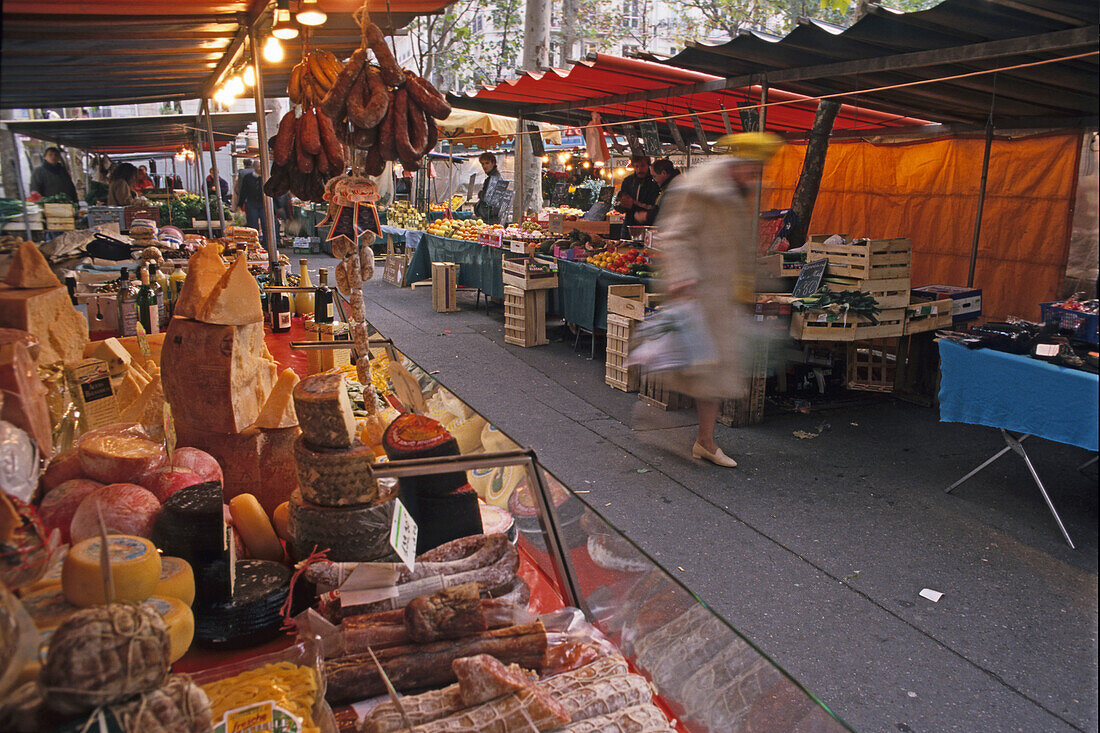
x,y
1088,463
995,456
1015,444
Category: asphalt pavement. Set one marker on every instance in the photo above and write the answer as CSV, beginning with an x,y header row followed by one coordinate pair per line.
x,y
816,548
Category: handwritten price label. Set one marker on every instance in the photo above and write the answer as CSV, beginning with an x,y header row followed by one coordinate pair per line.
x,y
403,532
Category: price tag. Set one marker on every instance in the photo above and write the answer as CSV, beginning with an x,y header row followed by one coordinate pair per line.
x,y
143,342
1046,350
403,534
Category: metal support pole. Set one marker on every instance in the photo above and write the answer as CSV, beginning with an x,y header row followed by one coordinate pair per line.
x,y
17,168
213,164
763,114
981,205
518,168
205,193
261,129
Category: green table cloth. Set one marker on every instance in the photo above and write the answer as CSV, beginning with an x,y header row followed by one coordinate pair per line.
x,y
582,293
479,266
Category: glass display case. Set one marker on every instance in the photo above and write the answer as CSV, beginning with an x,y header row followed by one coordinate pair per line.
x,y
708,676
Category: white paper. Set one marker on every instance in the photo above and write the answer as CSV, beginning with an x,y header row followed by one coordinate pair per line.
x,y
1046,349
932,595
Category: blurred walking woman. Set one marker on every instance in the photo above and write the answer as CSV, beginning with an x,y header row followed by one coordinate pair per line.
x,y
708,259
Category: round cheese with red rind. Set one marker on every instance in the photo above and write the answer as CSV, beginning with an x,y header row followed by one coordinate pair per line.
x,y
198,461
64,466
120,453
58,507
126,509
170,479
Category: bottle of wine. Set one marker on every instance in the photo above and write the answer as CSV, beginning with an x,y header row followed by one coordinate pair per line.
x,y
70,285
279,305
303,302
175,284
147,313
322,300
155,278
127,305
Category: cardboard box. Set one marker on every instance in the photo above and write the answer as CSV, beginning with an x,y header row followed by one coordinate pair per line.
x,y
967,301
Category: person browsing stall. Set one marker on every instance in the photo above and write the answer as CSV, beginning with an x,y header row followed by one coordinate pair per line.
x,y
664,173
52,177
638,193
120,190
488,164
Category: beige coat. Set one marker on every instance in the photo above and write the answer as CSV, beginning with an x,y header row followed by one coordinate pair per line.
x,y
706,237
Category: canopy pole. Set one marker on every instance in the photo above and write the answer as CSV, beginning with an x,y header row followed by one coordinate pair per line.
x,y
981,205
205,192
214,165
517,150
762,126
17,168
261,130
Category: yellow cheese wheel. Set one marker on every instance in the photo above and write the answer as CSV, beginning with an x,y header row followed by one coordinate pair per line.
x,y
135,569
48,607
177,580
180,622
251,522
281,521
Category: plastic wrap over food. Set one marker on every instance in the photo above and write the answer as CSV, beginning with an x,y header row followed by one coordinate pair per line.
x,y
18,640
18,463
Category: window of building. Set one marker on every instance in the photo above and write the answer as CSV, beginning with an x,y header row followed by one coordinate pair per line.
x,y
632,13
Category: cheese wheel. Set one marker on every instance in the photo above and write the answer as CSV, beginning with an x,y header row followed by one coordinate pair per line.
x,y
250,520
127,509
48,608
335,477
351,534
59,506
180,622
120,453
324,411
177,580
281,521
135,568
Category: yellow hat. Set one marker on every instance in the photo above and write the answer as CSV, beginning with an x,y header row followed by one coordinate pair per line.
x,y
755,145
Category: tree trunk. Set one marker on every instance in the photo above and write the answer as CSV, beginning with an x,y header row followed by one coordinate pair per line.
x,y
809,181
568,31
536,57
750,116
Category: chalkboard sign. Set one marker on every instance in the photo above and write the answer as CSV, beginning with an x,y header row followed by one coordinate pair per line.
x,y
560,193
505,211
494,196
809,280
651,137
677,138
535,136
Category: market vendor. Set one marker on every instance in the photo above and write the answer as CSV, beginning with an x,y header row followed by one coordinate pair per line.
x,y
52,177
120,192
638,193
143,182
489,165
664,172
219,190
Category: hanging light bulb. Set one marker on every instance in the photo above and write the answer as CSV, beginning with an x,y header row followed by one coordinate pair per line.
x,y
249,76
309,13
234,87
546,159
586,164
273,50
284,28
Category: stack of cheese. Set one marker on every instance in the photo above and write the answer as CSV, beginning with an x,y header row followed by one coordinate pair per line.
x,y
144,233
338,505
225,390
33,299
135,379
243,239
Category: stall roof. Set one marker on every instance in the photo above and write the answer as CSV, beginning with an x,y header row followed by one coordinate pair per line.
x,y
642,89
135,134
886,48
73,53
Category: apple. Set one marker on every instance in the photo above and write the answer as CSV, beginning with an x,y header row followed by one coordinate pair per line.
x,y
198,461
125,508
169,480
60,504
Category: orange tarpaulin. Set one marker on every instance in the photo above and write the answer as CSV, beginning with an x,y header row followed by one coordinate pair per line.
x,y
928,191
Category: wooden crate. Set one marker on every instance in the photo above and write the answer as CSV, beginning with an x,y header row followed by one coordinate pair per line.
x,y
58,211
60,224
654,392
444,287
526,273
867,259
889,292
140,212
827,326
748,410
776,265
616,373
873,365
932,315
524,317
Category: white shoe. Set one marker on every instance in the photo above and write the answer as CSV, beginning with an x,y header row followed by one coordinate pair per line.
x,y
718,458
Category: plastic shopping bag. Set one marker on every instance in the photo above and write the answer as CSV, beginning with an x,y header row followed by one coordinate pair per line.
x,y
675,338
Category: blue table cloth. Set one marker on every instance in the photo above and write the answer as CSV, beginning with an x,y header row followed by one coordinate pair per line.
x,y
479,266
1020,394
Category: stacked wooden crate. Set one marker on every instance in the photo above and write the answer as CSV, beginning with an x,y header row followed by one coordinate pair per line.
x,y
526,281
445,287
59,217
616,372
880,267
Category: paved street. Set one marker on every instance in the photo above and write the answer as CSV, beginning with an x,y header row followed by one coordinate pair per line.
x,y
816,549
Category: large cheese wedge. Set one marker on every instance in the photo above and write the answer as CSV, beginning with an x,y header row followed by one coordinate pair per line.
x,y
48,314
135,570
235,300
24,398
148,408
113,352
278,411
213,375
29,269
324,411
204,271
127,389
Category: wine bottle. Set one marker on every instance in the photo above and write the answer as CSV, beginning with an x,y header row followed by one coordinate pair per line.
x,y
280,308
303,302
147,314
126,299
175,284
157,287
322,300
